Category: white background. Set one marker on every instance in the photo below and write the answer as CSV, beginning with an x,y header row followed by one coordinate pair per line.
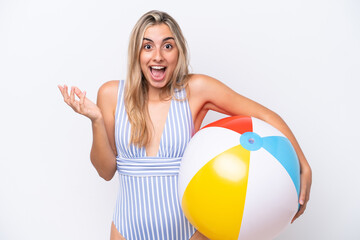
x,y
299,58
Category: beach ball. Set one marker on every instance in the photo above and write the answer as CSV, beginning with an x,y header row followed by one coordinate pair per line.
x,y
239,179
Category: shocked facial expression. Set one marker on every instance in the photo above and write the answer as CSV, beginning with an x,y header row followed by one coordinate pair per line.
x,y
158,55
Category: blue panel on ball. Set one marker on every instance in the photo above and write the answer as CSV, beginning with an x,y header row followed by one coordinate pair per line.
x,y
283,151
251,141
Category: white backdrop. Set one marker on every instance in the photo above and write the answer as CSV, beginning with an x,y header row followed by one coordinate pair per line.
x,y
299,58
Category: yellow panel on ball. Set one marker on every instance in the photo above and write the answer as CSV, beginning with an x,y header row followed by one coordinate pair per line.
x,y
218,190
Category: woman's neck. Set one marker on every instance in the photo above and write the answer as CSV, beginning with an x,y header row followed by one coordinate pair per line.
x,y
157,95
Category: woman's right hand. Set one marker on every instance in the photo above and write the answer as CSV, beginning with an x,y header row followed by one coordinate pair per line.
x,y
82,106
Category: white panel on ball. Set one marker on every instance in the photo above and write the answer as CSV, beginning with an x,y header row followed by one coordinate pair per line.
x,y
269,190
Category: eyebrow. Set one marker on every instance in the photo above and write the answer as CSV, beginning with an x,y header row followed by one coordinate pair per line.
x,y
165,39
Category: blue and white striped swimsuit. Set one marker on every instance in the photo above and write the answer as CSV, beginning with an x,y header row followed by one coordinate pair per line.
x,y
147,205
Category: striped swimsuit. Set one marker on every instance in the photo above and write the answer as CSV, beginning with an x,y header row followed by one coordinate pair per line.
x,y
147,205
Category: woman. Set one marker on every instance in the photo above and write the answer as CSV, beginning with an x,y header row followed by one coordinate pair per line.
x,y
141,128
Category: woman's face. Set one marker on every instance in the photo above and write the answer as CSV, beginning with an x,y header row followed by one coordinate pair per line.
x,y
158,55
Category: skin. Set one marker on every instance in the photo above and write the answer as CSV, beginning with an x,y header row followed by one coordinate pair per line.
x,y
206,93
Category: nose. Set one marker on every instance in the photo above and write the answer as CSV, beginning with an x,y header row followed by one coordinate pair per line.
x,y
158,56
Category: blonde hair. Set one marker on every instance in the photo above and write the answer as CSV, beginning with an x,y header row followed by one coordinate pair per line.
x,y
136,88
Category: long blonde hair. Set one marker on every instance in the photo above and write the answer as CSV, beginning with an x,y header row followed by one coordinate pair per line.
x,y
136,88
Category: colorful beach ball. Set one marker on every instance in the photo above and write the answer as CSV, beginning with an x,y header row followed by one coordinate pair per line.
x,y
239,179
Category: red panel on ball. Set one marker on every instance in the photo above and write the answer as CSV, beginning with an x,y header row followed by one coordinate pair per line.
x,y
239,124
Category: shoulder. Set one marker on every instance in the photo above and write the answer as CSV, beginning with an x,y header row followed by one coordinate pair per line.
x,y
201,80
202,84
198,80
107,94
109,88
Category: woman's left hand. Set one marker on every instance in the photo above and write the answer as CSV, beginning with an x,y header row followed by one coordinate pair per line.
x,y
305,185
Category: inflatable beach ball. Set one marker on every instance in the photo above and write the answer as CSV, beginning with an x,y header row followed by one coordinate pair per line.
x,y
239,179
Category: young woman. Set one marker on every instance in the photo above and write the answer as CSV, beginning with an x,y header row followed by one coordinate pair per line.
x,y
141,127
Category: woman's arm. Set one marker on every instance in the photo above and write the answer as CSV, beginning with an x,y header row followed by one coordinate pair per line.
x,y
103,151
207,93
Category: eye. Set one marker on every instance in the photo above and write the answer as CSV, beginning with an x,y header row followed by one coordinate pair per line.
x,y
168,46
147,46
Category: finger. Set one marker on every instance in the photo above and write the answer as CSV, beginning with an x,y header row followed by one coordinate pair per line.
x,y
82,100
77,92
302,196
304,192
295,217
72,96
299,213
60,88
66,95
73,103
64,92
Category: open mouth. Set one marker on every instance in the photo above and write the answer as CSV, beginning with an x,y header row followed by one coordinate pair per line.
x,y
158,72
